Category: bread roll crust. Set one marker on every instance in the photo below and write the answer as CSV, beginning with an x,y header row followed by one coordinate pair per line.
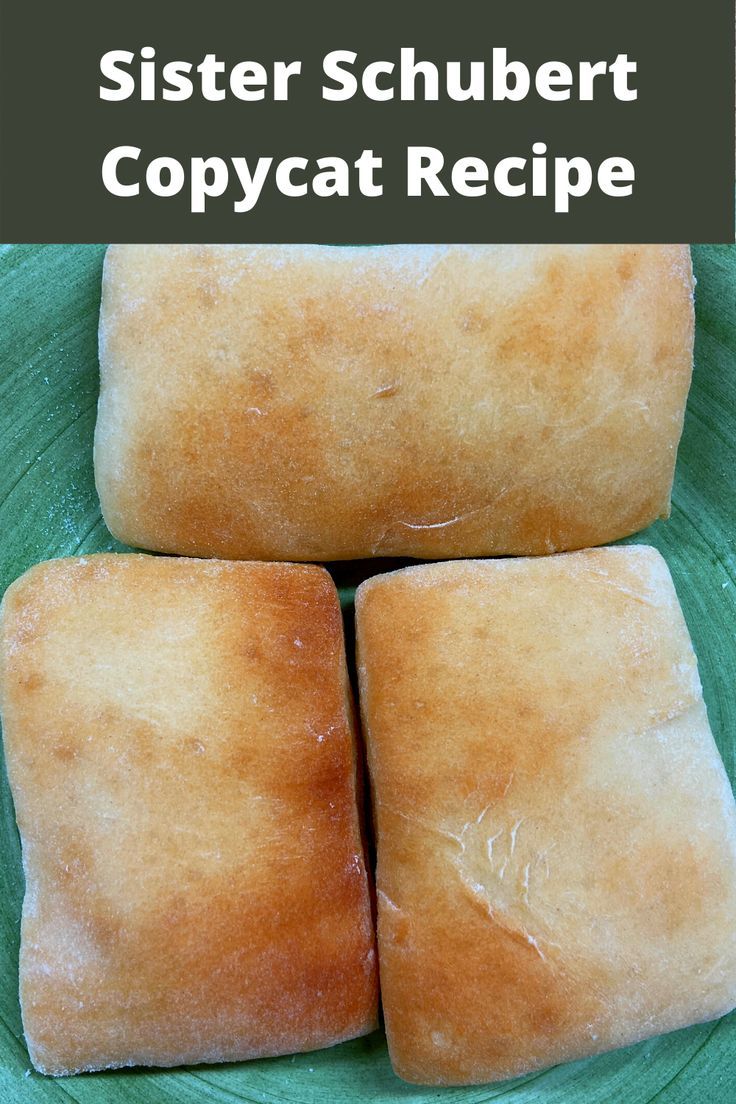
x,y
556,834
314,402
179,744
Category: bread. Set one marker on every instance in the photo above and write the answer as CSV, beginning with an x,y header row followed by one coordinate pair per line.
x,y
321,403
180,750
556,834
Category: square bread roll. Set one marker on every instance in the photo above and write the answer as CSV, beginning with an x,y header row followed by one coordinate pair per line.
x,y
556,833
180,747
304,402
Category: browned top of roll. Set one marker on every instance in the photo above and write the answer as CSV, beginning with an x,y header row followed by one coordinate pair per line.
x,y
556,833
316,402
178,735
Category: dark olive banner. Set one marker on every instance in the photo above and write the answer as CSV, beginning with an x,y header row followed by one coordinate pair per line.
x,y
284,121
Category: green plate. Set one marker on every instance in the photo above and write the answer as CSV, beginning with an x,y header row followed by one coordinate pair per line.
x,y
49,299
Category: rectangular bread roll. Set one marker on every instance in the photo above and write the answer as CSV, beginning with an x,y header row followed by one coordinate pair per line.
x,y
435,401
180,749
556,833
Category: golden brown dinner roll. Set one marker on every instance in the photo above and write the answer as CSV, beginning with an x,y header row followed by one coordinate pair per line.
x,y
556,833
318,403
180,749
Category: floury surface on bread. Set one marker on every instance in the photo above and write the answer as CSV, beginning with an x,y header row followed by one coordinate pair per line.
x,y
435,401
180,748
556,834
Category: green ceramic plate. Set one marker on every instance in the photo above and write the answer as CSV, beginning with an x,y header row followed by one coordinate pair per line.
x,y
49,299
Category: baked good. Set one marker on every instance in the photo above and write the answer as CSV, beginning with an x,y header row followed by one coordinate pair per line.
x,y
556,833
180,750
320,403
